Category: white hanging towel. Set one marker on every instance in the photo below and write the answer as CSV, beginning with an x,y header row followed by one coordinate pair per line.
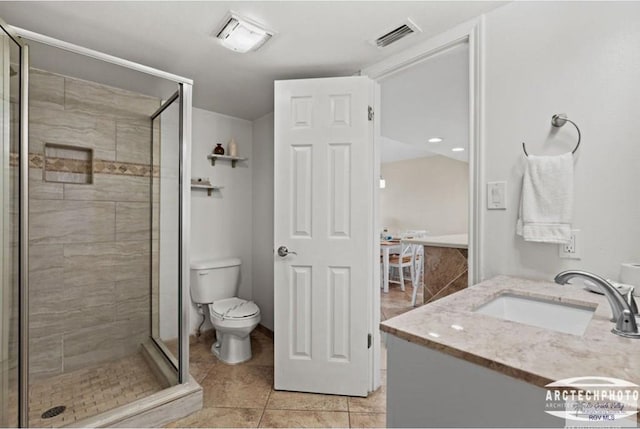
x,y
546,202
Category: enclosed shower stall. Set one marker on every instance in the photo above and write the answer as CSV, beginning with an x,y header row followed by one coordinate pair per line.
x,y
95,167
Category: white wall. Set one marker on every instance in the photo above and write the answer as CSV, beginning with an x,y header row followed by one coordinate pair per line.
x,y
221,225
580,58
541,58
263,217
429,193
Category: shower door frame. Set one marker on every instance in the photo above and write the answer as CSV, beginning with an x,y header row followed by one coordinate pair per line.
x,y
185,87
23,222
183,301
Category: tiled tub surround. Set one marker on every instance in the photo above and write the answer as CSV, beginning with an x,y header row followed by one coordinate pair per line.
x,y
523,353
90,244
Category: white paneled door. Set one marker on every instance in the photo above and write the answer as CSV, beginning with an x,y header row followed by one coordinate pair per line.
x,y
324,171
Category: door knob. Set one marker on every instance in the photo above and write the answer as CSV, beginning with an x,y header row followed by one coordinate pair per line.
x,y
283,251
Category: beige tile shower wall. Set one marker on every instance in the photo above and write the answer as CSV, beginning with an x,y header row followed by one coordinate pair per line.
x,y
90,243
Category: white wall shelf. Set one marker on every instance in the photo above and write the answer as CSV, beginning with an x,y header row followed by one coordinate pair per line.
x,y
209,188
234,159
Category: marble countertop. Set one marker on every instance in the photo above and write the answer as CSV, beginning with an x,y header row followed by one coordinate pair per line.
x,y
535,355
459,241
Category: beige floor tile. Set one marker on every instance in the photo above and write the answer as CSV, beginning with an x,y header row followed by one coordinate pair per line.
x,y
393,312
199,370
201,352
304,419
242,386
221,418
280,400
376,402
261,350
396,302
367,420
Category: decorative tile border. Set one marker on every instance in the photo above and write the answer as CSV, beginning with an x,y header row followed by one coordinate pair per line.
x,y
36,160
66,165
125,168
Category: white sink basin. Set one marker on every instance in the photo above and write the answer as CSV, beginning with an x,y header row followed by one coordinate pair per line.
x,y
552,315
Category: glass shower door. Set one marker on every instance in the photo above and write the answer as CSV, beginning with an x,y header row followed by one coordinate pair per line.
x,y
11,81
165,239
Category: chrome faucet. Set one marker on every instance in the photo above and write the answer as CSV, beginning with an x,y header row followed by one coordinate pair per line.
x,y
624,310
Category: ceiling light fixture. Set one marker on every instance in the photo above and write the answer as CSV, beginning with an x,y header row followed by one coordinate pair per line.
x,y
457,149
242,34
435,139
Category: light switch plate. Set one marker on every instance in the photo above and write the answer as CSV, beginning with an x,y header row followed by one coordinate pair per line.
x,y
497,195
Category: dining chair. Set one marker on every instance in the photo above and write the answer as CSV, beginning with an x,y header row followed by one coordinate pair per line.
x,y
417,280
402,261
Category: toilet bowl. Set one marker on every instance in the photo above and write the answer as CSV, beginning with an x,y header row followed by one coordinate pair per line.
x,y
233,319
214,285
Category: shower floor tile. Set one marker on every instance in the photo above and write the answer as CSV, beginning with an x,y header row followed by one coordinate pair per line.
x,y
91,391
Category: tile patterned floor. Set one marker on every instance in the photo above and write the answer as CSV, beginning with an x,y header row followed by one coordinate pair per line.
x,y
396,302
243,396
234,396
91,391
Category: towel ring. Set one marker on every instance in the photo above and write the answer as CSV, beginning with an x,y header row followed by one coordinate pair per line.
x,y
558,121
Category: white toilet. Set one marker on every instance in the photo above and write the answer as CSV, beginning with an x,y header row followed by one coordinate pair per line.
x,y
214,284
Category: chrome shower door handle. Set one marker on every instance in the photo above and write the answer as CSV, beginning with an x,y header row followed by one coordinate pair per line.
x,y
283,251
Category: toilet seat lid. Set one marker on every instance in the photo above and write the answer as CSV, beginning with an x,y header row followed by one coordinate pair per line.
x,y
234,308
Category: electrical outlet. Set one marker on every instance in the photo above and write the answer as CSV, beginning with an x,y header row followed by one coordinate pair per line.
x,y
572,249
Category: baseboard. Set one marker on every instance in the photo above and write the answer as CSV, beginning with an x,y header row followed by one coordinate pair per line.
x,y
264,330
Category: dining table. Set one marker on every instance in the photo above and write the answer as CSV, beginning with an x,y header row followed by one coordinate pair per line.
x,y
387,247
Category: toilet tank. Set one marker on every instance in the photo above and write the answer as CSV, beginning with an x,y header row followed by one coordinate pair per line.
x,y
214,279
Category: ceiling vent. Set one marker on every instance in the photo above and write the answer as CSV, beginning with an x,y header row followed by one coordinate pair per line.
x,y
242,34
406,29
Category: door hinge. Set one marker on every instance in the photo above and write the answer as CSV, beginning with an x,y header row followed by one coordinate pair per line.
x,y
369,341
370,112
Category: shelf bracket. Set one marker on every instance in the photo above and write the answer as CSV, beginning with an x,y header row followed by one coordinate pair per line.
x,y
233,163
213,160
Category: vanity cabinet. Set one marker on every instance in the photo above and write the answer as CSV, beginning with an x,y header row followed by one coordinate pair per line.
x,y
428,388
452,363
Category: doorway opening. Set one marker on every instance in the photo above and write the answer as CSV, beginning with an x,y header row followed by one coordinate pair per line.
x,y
462,43
423,206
